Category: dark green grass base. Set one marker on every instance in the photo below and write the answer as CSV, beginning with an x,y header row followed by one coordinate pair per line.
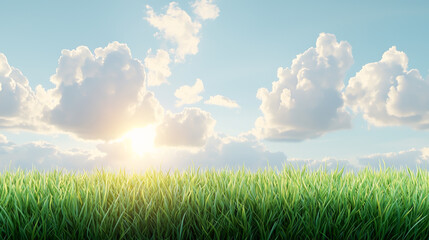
x,y
289,204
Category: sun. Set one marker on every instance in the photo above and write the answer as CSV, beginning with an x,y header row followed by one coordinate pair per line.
x,y
142,139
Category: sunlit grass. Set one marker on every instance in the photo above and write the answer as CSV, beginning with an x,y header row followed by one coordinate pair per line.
x,y
288,204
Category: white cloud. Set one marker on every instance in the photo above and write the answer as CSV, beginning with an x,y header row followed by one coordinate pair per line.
x,y
3,139
189,128
413,159
20,107
45,156
101,95
425,153
189,94
157,67
306,101
218,152
388,94
205,9
222,101
177,26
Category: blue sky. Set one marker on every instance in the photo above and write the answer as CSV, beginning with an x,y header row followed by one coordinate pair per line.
x,y
240,48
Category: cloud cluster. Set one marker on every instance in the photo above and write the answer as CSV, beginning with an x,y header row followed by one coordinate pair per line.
x,y
236,152
46,156
413,159
189,94
205,9
223,101
157,67
219,152
178,27
306,101
101,95
388,94
189,128
19,104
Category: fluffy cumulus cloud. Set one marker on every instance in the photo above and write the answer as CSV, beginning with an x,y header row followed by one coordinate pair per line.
x,y
157,67
222,101
19,104
101,95
189,94
389,94
178,27
189,128
306,101
205,9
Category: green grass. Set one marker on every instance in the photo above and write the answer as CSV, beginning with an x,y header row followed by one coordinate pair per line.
x,y
288,204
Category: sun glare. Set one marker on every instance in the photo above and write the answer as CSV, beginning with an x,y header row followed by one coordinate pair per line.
x,y
142,139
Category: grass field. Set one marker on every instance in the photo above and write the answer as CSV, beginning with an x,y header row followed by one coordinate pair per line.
x,y
288,204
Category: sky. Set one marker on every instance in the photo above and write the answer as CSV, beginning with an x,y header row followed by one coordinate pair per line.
x,y
212,84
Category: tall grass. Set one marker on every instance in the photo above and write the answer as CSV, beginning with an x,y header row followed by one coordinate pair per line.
x,y
288,204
